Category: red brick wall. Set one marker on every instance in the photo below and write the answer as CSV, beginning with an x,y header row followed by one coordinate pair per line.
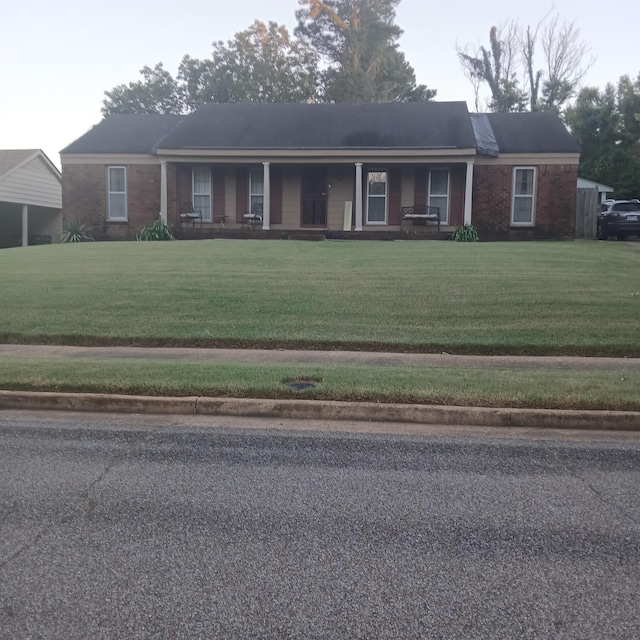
x,y
555,208
84,198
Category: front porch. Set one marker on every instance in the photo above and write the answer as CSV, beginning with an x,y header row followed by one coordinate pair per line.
x,y
207,199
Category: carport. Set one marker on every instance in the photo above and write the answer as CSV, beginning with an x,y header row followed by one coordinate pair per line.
x,y
30,198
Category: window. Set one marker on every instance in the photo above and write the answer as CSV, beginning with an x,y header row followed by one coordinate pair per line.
x,y
523,208
117,193
256,190
377,197
202,193
439,192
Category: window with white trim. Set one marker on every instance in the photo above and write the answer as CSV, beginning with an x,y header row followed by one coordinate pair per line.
x,y
377,189
117,186
524,191
256,191
202,192
439,192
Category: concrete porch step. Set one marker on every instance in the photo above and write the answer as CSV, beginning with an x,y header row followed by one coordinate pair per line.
x,y
307,236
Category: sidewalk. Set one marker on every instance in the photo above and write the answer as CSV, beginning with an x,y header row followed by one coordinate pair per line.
x,y
368,358
327,410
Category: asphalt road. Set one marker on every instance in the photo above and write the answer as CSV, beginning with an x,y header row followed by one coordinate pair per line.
x,y
115,527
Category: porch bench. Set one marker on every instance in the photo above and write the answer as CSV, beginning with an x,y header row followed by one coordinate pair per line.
x,y
421,214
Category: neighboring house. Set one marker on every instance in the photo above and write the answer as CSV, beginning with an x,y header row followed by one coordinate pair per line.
x,y
30,198
603,189
342,169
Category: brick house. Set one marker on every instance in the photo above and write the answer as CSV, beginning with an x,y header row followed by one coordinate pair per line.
x,y
342,170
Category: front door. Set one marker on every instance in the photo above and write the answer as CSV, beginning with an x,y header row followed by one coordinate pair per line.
x,y
314,197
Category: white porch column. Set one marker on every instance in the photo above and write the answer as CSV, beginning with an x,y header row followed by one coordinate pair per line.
x,y
468,193
25,225
266,202
163,191
358,196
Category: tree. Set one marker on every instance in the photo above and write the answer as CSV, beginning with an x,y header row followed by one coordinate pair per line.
x,y
510,71
157,92
261,64
567,60
606,125
495,66
357,42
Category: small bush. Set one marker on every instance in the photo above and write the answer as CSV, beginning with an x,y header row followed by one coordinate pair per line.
x,y
156,231
77,232
465,233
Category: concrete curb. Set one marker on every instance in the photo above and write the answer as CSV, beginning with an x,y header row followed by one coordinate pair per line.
x,y
321,410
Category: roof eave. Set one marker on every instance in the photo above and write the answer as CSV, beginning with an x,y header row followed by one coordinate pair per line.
x,y
307,152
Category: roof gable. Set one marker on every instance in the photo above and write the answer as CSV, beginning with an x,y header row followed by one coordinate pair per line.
x,y
10,159
30,179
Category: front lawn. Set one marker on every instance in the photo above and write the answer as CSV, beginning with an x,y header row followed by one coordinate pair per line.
x,y
555,297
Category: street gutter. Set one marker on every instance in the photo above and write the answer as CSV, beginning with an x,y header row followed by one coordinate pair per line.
x,y
324,410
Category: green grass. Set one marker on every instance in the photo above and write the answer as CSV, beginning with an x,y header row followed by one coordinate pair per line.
x,y
538,297
464,387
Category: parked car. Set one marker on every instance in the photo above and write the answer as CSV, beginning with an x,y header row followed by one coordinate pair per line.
x,y
620,218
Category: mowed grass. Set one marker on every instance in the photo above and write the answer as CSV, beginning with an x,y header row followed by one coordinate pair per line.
x,y
439,386
536,298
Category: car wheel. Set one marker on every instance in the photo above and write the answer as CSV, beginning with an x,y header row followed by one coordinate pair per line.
x,y
600,234
621,236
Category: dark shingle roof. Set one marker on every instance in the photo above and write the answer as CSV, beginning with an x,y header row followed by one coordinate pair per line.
x,y
420,125
125,133
416,125
539,132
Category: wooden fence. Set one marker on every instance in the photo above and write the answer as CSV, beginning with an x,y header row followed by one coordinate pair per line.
x,y
586,213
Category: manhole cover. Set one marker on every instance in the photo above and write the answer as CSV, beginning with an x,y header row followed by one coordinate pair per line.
x,y
301,385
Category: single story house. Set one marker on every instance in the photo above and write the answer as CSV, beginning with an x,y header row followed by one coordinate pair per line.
x,y
30,198
339,169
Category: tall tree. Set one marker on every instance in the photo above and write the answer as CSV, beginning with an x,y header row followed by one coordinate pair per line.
x,y
510,70
495,66
260,64
157,92
606,125
357,41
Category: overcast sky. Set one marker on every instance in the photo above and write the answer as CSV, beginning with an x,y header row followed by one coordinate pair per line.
x,y
57,57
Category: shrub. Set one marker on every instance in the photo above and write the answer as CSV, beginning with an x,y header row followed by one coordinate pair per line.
x,y
156,231
77,232
465,233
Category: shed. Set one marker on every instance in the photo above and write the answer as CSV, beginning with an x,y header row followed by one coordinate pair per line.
x,y
603,189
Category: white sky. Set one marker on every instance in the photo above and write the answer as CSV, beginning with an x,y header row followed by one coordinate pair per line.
x,y
57,57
